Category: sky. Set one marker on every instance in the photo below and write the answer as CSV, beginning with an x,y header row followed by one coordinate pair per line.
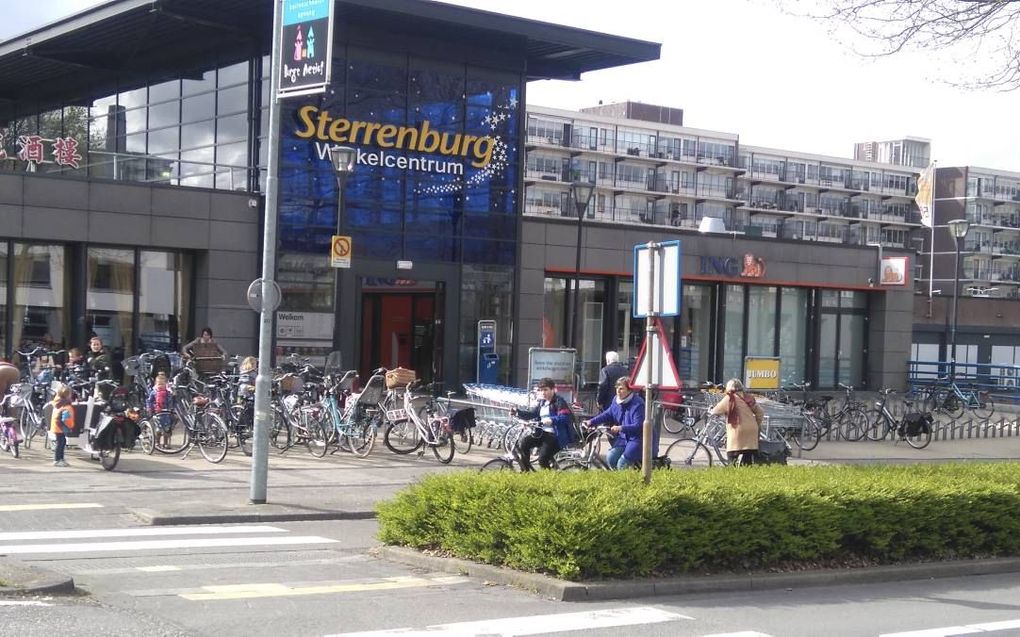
x,y
746,67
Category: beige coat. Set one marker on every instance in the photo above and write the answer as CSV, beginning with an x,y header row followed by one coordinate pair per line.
x,y
743,436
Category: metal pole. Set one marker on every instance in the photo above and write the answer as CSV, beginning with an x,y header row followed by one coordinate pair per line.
x,y
263,405
577,278
956,300
341,183
650,354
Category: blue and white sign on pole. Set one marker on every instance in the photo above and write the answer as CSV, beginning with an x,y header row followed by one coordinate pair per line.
x,y
662,297
306,47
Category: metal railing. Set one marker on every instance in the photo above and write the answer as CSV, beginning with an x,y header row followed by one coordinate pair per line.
x,y
1002,381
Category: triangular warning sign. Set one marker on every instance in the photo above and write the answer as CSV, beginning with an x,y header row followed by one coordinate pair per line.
x,y
660,361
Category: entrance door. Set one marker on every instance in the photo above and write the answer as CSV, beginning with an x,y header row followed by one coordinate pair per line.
x,y
402,328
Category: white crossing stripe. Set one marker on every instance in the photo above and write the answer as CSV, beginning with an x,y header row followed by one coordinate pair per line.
x,y
23,603
743,633
536,624
136,532
969,629
44,507
148,545
259,590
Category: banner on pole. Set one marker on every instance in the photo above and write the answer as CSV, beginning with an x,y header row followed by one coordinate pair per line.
x,y
925,197
306,47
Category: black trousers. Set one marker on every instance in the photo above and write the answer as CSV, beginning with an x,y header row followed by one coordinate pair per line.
x,y
742,458
547,445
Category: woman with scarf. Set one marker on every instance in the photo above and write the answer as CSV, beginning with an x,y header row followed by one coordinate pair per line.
x,y
743,418
627,411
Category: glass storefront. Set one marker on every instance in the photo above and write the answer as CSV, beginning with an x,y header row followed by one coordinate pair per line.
x,y
131,298
753,320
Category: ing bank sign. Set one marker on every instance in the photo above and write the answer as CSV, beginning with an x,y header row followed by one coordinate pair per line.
x,y
419,148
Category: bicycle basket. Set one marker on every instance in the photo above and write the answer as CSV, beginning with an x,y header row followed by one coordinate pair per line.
x,y
131,365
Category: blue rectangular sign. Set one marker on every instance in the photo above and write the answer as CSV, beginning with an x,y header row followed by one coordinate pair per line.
x,y
306,45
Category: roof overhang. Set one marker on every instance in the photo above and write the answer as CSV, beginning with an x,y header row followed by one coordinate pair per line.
x,y
120,39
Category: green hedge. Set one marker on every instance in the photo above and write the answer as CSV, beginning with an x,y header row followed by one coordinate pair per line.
x,y
589,525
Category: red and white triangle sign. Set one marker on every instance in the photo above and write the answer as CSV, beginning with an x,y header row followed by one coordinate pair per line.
x,y
664,374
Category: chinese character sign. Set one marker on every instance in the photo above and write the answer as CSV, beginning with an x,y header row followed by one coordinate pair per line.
x,y
65,152
35,149
30,148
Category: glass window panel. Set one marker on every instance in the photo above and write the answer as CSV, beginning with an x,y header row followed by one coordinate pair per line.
x,y
233,74
135,144
231,129
378,243
695,335
851,349
486,293
165,91
232,100
761,328
631,331
591,305
420,246
493,252
193,87
98,115
133,99
165,114
109,299
554,312
307,282
196,135
164,141
827,350
232,154
733,333
40,296
198,108
793,335
830,298
135,120
163,292
377,71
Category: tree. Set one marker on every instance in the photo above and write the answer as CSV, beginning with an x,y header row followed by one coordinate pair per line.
x,y
990,28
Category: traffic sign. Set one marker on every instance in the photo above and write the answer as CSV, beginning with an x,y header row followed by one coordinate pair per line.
x,y
656,354
270,302
660,261
340,252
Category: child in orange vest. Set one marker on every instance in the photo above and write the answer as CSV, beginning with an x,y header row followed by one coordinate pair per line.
x,y
61,423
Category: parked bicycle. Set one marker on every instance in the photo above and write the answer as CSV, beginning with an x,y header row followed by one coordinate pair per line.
x,y
409,432
914,427
947,397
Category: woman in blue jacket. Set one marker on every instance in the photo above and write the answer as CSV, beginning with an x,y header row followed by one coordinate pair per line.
x,y
628,413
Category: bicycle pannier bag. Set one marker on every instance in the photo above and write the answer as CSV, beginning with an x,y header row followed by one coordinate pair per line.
x,y
462,419
916,424
772,452
399,377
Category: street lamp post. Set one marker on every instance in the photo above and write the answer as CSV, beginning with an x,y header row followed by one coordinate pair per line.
x,y
343,160
958,228
581,194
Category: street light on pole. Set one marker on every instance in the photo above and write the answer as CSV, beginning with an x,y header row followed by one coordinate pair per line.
x,y
343,160
958,228
581,194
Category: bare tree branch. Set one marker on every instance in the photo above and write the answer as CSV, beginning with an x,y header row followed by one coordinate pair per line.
x,y
990,28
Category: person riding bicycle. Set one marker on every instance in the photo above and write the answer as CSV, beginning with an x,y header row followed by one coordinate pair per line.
x,y
555,431
627,411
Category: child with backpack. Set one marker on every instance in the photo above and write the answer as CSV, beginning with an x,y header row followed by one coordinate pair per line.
x,y
160,402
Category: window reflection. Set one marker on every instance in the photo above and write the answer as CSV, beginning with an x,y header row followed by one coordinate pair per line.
x,y
163,292
109,299
39,295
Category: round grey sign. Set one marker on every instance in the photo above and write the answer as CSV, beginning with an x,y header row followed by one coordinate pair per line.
x,y
257,303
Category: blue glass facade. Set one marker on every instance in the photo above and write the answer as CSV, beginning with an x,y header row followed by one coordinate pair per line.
x,y
455,204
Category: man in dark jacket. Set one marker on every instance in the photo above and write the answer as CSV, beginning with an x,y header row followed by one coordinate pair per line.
x,y
555,431
99,361
613,371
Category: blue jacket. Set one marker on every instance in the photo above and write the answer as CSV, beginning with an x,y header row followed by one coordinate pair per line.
x,y
631,418
562,418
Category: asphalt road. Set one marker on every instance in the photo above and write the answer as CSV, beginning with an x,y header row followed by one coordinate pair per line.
x,y
322,578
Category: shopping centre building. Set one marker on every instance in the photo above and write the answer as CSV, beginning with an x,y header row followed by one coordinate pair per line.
x,y
132,178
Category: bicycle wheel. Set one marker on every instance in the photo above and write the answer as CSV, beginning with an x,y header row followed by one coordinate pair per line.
x,y
498,464
361,434
443,447
28,427
402,437
463,440
173,441
212,437
108,458
681,421
146,437
919,440
876,428
688,453
854,424
315,439
950,404
809,434
985,406
278,430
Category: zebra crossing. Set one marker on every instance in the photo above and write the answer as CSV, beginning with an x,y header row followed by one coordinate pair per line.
x,y
153,539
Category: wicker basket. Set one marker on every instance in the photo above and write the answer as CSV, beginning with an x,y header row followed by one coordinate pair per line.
x,y
400,377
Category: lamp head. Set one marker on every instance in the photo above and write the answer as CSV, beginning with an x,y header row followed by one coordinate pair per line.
x,y
959,228
342,158
711,225
582,192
